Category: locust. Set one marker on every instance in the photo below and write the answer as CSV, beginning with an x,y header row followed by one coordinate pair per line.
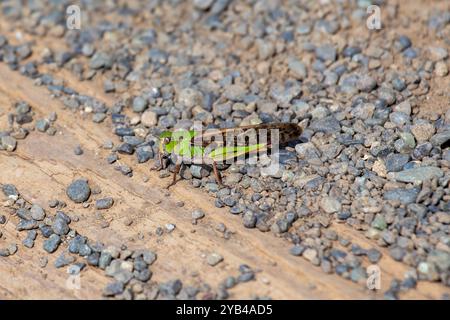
x,y
220,145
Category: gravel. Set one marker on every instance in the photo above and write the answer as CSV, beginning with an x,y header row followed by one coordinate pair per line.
x,y
78,191
297,250
198,214
418,175
37,213
8,143
104,203
330,205
10,190
373,255
170,288
52,243
42,125
113,289
139,104
249,219
214,259
149,118
60,226
78,151
63,260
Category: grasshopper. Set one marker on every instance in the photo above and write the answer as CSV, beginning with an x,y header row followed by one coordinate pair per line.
x,y
219,145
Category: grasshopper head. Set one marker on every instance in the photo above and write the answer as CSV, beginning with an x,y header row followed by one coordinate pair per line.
x,y
177,141
164,140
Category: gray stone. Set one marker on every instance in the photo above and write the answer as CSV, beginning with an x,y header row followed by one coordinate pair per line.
x,y
144,153
307,151
330,204
60,227
46,230
366,83
357,274
42,125
197,214
203,4
12,249
149,118
78,151
101,60
28,242
104,203
10,190
170,288
297,250
52,243
63,260
297,68
327,125
387,95
190,97
37,213
78,191
8,143
395,161
405,196
446,155
266,49
198,171
437,53
214,259
326,53
403,107
84,250
24,214
249,219
418,175
143,275
283,95
113,289
27,225
310,254
246,276
423,131
397,253
139,104
422,150
373,255
104,260
440,138
379,222
406,143
235,92
399,118
76,243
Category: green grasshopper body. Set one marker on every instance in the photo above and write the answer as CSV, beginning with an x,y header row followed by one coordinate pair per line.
x,y
219,145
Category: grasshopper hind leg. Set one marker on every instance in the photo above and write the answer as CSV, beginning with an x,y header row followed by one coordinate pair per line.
x,y
175,173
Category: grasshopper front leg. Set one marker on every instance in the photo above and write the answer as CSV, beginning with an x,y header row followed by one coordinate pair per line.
x,y
159,165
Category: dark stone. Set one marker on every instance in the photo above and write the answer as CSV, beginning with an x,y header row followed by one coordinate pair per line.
x,y
52,243
78,191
